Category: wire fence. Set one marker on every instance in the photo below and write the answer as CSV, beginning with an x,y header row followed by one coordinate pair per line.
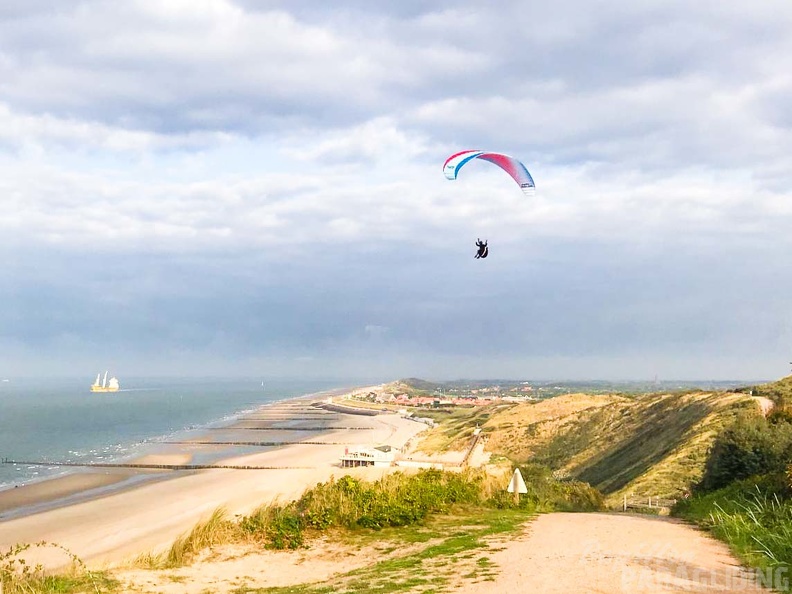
x,y
647,503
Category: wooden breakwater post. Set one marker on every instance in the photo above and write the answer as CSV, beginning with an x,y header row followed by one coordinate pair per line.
x,y
154,466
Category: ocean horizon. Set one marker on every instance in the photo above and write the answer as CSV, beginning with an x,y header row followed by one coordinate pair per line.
x,y
61,420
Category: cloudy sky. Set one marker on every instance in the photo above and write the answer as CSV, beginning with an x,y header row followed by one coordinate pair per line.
x,y
255,187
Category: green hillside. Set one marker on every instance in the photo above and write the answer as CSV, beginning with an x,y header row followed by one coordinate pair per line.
x,y
646,445
780,392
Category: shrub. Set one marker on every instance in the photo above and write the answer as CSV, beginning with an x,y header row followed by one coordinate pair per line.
x,y
394,500
579,496
752,446
285,530
546,493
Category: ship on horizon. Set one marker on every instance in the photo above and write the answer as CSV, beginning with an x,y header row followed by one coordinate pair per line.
x,y
105,386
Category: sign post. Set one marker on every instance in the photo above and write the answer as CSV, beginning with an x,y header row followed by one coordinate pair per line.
x,y
517,485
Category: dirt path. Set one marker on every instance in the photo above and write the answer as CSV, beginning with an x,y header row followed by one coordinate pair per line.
x,y
615,554
765,404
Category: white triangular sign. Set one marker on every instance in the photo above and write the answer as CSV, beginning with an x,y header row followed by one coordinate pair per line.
x,y
517,484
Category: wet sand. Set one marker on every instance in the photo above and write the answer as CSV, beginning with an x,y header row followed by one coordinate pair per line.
x,y
120,523
82,485
36,494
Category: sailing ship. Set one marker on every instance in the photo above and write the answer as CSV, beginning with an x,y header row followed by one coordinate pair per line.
x,y
105,386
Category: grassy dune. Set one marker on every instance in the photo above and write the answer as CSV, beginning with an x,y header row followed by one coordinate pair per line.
x,y
746,497
648,445
780,392
452,514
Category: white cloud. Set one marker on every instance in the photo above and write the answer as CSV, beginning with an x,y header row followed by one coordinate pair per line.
x,y
306,142
23,132
380,139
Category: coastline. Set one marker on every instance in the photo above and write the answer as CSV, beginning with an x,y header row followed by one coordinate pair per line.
x,y
106,517
85,483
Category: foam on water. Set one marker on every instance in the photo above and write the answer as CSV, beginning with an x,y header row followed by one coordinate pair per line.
x,y
60,420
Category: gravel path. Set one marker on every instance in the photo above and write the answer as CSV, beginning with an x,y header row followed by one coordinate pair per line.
x,y
614,554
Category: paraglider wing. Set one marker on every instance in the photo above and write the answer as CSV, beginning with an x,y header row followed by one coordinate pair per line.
x,y
455,162
509,164
514,168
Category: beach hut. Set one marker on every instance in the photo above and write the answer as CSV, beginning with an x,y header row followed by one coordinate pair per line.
x,y
364,456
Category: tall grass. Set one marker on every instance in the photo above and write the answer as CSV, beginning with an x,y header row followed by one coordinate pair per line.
x,y
753,518
18,576
394,500
347,504
218,529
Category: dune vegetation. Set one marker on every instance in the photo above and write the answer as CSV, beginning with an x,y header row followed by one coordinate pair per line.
x,y
395,500
745,494
637,445
344,506
17,576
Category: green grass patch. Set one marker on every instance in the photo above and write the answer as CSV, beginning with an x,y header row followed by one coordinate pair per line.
x,y
352,505
754,517
454,553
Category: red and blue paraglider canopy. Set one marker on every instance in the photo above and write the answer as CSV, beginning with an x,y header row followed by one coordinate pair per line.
x,y
509,164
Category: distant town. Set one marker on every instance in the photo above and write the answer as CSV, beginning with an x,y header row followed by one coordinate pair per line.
x,y
418,392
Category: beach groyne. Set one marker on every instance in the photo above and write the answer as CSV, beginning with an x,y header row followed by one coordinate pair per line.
x,y
151,466
349,410
149,513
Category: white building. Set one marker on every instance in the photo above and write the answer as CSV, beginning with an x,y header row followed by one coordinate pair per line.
x,y
363,456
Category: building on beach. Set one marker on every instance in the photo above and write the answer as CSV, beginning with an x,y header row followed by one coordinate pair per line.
x,y
363,456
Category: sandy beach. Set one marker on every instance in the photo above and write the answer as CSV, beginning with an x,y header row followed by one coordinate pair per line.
x,y
104,524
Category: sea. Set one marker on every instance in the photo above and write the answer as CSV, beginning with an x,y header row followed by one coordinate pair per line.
x,y
60,420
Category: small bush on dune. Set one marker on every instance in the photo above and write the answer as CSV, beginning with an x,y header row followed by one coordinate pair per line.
x,y
277,527
285,529
579,496
401,500
751,446
396,499
546,493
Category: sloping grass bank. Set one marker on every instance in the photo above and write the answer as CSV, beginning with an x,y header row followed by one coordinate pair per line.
x,y
647,445
745,495
754,517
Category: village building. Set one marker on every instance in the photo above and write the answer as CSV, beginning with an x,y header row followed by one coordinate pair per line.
x,y
363,456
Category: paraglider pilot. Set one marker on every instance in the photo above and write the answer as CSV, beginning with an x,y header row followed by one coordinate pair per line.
x,y
483,250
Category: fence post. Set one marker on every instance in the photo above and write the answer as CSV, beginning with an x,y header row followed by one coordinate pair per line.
x,y
625,502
